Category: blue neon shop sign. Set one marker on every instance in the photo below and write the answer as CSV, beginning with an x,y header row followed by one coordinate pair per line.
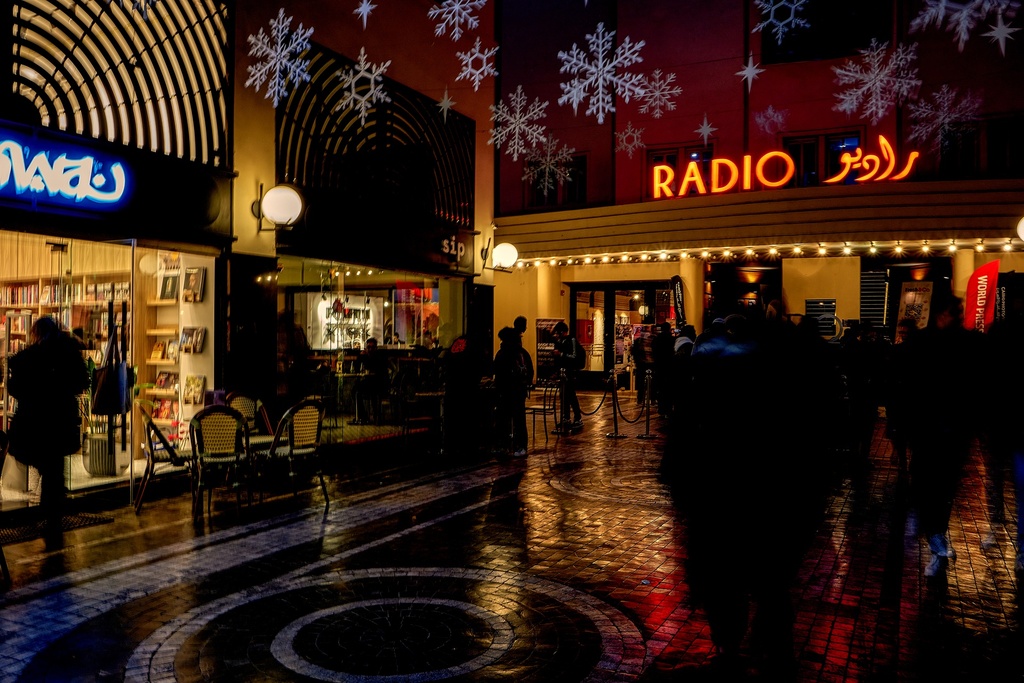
x,y
55,173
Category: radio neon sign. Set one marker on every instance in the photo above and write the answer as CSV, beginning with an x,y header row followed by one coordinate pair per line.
x,y
73,178
774,169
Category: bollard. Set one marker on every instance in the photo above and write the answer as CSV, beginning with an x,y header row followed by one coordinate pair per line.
x,y
615,409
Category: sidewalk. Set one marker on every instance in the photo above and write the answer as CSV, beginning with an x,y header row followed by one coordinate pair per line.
x,y
565,565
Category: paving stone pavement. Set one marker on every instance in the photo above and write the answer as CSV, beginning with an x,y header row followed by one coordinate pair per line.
x,y
564,565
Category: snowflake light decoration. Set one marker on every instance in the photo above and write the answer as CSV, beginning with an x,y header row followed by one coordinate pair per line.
x,y
780,16
935,122
1000,33
364,10
516,125
445,105
705,130
658,94
749,71
961,17
629,139
372,92
878,85
455,13
279,52
771,120
477,64
140,6
547,164
598,78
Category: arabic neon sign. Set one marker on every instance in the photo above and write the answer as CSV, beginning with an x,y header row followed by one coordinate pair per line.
x,y
773,169
63,176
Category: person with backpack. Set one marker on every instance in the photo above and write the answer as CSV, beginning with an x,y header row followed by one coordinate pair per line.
x,y
572,358
512,376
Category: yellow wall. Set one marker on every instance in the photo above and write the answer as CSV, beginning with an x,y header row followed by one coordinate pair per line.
x,y
822,278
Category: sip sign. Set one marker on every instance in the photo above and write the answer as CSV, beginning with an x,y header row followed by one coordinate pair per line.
x,y
58,174
457,251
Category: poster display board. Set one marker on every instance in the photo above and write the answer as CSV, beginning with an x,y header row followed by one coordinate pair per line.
x,y
545,360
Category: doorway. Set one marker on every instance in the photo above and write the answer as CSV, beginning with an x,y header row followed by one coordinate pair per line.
x,y
613,321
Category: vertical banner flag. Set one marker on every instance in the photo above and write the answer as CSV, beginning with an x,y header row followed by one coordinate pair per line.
x,y
980,301
677,296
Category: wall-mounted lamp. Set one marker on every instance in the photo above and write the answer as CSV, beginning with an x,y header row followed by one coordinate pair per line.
x,y
503,257
282,205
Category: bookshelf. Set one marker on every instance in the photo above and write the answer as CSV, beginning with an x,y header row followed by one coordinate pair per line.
x,y
165,365
16,324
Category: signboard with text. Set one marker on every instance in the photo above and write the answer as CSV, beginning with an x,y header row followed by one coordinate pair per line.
x,y
60,174
771,170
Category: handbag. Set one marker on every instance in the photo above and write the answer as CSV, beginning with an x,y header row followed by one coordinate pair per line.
x,y
111,390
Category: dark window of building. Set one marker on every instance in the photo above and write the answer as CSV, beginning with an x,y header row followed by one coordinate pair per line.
x,y
554,194
678,159
960,151
817,157
834,29
1005,146
804,152
835,147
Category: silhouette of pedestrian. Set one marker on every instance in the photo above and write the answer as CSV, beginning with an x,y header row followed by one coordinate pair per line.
x,y
511,379
46,378
939,431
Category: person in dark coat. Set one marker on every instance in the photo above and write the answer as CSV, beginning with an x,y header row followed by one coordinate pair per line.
x,y
662,349
1003,427
511,379
568,353
938,419
46,378
749,502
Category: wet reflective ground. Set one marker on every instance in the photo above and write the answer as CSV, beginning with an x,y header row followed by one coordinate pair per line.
x,y
565,565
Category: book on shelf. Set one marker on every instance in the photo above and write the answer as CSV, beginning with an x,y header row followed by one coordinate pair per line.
x,y
162,409
44,295
168,260
158,351
192,340
169,286
171,350
195,389
166,380
192,290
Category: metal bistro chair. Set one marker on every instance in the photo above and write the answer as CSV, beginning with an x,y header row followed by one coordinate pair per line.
x,y
220,441
297,440
548,405
254,411
158,449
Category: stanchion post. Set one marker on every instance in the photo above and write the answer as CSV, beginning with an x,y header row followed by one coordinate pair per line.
x,y
647,409
615,408
563,423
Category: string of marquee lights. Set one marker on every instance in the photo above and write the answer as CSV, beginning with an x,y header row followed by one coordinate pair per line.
x,y
891,248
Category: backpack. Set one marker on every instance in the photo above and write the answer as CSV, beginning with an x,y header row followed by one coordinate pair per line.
x,y
580,361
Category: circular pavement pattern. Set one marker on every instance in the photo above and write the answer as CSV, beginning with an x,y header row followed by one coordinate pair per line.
x,y
640,487
396,624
